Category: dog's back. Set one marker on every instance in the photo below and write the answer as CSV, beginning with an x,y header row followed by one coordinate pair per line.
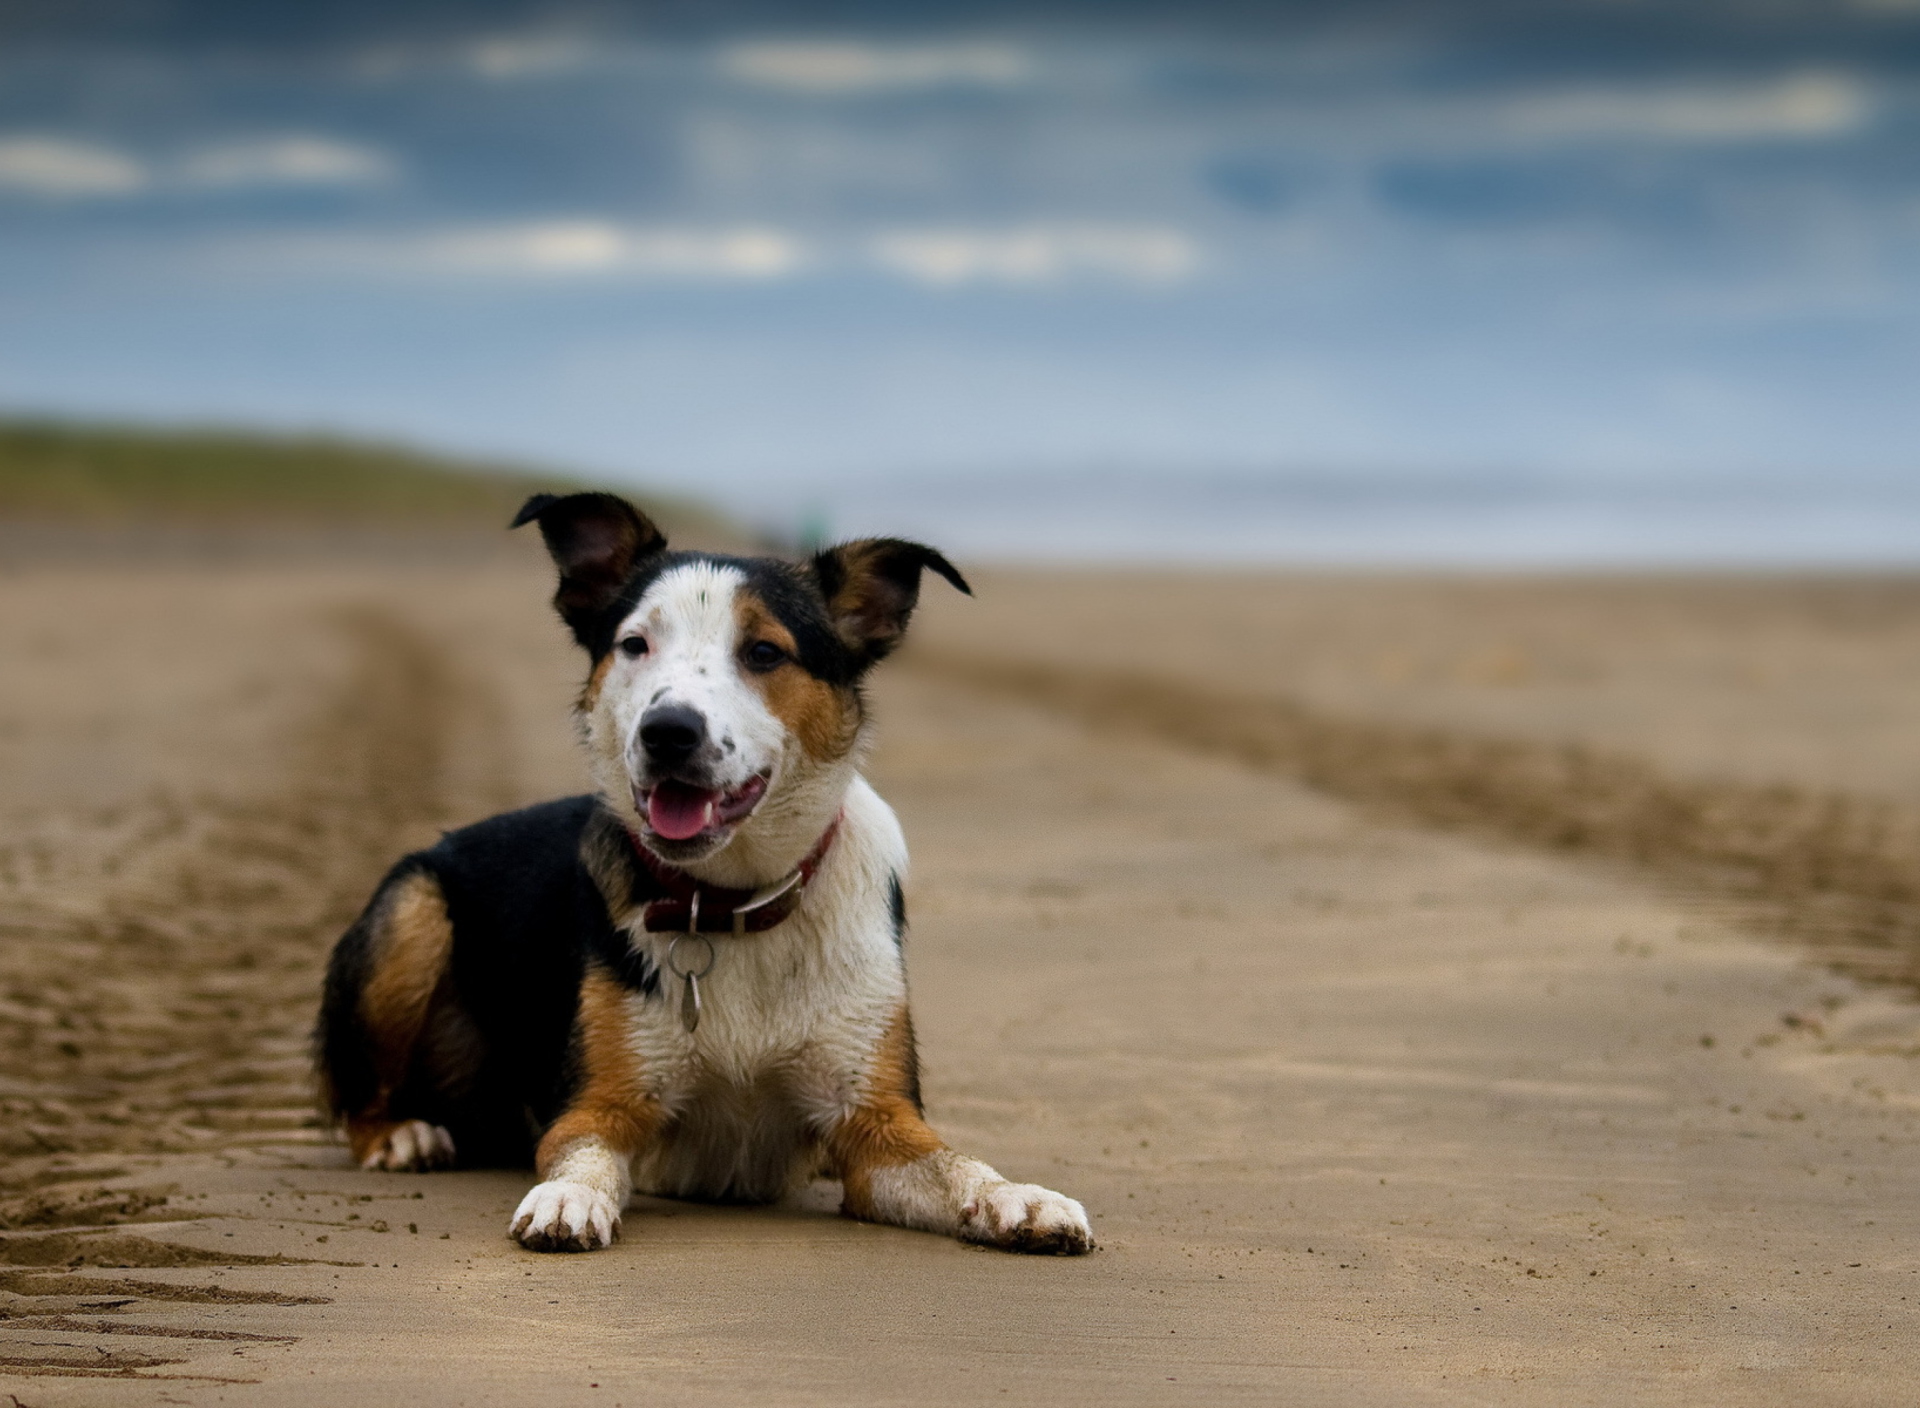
x,y
476,944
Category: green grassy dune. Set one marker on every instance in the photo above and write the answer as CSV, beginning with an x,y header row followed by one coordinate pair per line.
x,y
60,471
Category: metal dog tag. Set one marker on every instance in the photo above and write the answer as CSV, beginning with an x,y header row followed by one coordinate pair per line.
x,y
690,1003
690,993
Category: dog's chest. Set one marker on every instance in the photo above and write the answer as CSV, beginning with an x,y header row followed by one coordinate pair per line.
x,y
789,1015
787,1024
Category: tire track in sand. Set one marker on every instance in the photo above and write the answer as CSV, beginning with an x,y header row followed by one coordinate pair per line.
x,y
1833,870
171,1011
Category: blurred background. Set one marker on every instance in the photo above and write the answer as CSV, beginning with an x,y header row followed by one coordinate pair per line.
x,y
1562,282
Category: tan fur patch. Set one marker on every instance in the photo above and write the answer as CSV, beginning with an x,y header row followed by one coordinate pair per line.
x,y
366,1135
853,605
826,720
885,1130
868,611
612,1104
590,691
412,946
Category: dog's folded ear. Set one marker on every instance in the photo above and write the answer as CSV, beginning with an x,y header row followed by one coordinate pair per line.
x,y
871,587
596,540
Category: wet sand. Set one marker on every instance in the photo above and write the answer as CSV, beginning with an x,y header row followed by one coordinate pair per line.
x,y
1365,1110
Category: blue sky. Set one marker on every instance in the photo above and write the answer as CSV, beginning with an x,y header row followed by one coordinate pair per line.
x,y
796,256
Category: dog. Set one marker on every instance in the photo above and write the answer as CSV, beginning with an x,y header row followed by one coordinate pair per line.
x,y
692,980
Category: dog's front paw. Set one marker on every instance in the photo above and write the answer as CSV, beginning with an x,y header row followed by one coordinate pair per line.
x,y
565,1217
1024,1217
411,1146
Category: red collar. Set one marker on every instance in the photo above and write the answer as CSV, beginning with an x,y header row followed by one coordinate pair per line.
x,y
691,907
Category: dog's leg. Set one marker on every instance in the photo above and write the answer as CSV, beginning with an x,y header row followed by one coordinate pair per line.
x,y
895,1169
380,990
585,1160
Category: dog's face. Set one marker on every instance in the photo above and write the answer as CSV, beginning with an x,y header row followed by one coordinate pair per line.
x,y
725,684
724,691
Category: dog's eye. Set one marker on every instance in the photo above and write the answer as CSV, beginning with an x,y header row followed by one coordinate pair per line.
x,y
764,655
634,646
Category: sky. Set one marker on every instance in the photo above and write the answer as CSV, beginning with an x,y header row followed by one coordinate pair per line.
x,y
1551,280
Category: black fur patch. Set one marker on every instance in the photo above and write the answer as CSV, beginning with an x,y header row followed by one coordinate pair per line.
x,y
897,909
913,1071
595,629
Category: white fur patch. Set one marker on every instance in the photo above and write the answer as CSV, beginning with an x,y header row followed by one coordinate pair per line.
x,y
929,1193
591,1162
413,1147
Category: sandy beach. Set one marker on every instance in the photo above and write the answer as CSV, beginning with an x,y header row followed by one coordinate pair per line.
x,y
1439,991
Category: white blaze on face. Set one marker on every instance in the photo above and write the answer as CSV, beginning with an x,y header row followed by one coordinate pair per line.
x,y
692,662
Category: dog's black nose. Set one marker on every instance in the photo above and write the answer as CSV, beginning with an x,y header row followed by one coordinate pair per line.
x,y
671,733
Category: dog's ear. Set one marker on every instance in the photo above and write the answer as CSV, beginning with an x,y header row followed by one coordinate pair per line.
x,y
871,587
596,540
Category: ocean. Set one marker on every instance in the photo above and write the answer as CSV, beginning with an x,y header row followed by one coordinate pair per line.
x,y
1490,521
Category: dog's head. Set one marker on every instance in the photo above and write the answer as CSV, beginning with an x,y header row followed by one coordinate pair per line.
x,y
724,697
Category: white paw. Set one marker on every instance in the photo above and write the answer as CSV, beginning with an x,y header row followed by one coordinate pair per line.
x,y
1024,1217
414,1146
565,1217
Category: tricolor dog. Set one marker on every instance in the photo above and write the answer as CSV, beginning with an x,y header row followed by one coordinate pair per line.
x,y
690,982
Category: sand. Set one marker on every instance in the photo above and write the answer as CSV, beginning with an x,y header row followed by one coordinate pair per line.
x,y
1801,680
1366,1109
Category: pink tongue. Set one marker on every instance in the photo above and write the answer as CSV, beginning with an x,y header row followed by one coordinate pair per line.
x,y
679,812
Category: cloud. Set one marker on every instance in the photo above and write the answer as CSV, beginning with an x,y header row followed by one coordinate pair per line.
x,y
1037,254
592,246
851,69
602,249
496,57
510,56
1805,106
62,168
284,161
59,168
546,249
